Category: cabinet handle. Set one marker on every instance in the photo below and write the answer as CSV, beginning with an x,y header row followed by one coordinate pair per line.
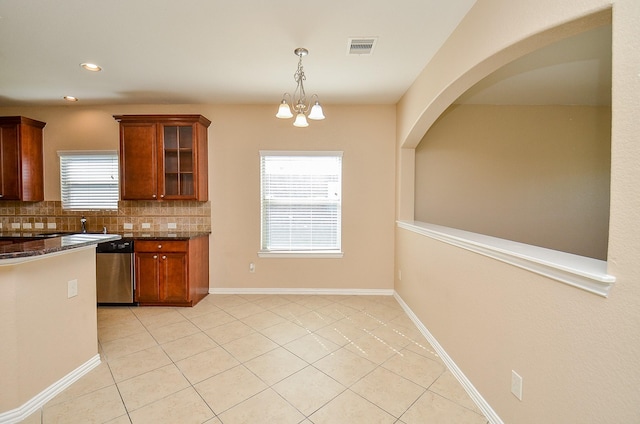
x,y
164,257
154,196
162,195
155,256
159,246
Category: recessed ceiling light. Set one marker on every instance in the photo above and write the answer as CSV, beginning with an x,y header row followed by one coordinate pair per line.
x,y
91,67
70,98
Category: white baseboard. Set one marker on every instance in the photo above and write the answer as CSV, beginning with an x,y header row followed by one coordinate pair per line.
x,y
297,291
477,398
31,406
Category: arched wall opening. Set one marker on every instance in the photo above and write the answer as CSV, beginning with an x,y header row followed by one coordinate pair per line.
x,y
525,154
583,252
437,88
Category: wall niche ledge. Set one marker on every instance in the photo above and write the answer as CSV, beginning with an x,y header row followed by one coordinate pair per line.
x,y
578,271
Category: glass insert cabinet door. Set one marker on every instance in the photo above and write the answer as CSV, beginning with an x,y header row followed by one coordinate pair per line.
x,y
178,161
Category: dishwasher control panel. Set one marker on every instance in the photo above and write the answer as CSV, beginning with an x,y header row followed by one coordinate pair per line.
x,y
118,246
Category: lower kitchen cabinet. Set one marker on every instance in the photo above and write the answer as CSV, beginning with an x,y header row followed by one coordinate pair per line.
x,y
171,272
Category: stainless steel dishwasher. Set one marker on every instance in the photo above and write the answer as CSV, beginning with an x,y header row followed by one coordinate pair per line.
x,y
115,276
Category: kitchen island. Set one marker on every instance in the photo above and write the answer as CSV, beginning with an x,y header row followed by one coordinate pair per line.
x,y
48,323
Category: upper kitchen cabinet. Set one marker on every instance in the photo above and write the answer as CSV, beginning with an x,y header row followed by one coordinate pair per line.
x,y
21,159
163,157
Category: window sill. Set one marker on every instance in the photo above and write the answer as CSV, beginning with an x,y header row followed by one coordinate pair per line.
x,y
302,254
579,271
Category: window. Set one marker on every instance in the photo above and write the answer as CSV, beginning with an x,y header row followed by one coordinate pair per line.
x,y
301,199
89,179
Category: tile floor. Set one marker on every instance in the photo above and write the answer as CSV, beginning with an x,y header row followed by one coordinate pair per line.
x,y
264,359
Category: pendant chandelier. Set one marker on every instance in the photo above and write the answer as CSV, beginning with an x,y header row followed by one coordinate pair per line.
x,y
298,102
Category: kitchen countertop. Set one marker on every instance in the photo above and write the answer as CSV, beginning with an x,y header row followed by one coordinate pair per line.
x,y
36,245
163,235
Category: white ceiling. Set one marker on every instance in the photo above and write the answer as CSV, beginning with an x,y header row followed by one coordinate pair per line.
x,y
215,51
240,52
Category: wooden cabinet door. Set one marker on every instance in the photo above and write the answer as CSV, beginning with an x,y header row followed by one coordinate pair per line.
x,y
10,163
32,161
138,161
21,159
179,166
147,277
174,287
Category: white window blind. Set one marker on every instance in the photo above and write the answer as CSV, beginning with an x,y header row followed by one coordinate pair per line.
x,y
301,198
89,179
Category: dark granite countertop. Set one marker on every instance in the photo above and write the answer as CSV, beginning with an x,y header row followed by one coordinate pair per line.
x,y
27,244
163,235
38,244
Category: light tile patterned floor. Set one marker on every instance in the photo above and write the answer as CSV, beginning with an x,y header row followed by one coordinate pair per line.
x,y
273,359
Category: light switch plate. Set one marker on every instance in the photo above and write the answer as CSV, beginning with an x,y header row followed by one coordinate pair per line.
x,y
128,226
72,288
516,384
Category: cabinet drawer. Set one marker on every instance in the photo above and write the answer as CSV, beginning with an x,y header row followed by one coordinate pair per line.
x,y
161,246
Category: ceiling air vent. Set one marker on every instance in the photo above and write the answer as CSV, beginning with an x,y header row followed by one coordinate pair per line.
x,y
361,45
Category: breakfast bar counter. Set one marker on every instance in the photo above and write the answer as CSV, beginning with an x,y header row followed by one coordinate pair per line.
x,y
20,247
48,322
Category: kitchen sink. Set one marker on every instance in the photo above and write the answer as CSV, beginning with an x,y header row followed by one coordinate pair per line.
x,y
66,233
51,235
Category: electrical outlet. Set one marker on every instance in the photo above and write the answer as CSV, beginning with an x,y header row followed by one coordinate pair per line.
x,y
516,384
72,288
252,267
172,226
146,225
128,226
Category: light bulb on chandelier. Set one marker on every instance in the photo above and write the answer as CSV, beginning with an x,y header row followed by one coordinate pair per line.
x,y
298,102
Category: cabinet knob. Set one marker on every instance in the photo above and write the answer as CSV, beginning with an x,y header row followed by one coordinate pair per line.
x,y
164,257
155,256
159,246
162,195
154,196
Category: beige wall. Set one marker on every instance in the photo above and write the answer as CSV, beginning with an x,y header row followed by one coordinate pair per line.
x,y
534,174
578,353
364,133
45,335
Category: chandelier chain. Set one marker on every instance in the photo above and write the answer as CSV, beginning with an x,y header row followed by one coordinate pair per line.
x,y
299,92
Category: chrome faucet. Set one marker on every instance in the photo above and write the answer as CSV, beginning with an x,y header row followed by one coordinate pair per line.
x,y
83,224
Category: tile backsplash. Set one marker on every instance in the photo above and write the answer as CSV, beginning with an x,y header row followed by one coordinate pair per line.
x,y
131,216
